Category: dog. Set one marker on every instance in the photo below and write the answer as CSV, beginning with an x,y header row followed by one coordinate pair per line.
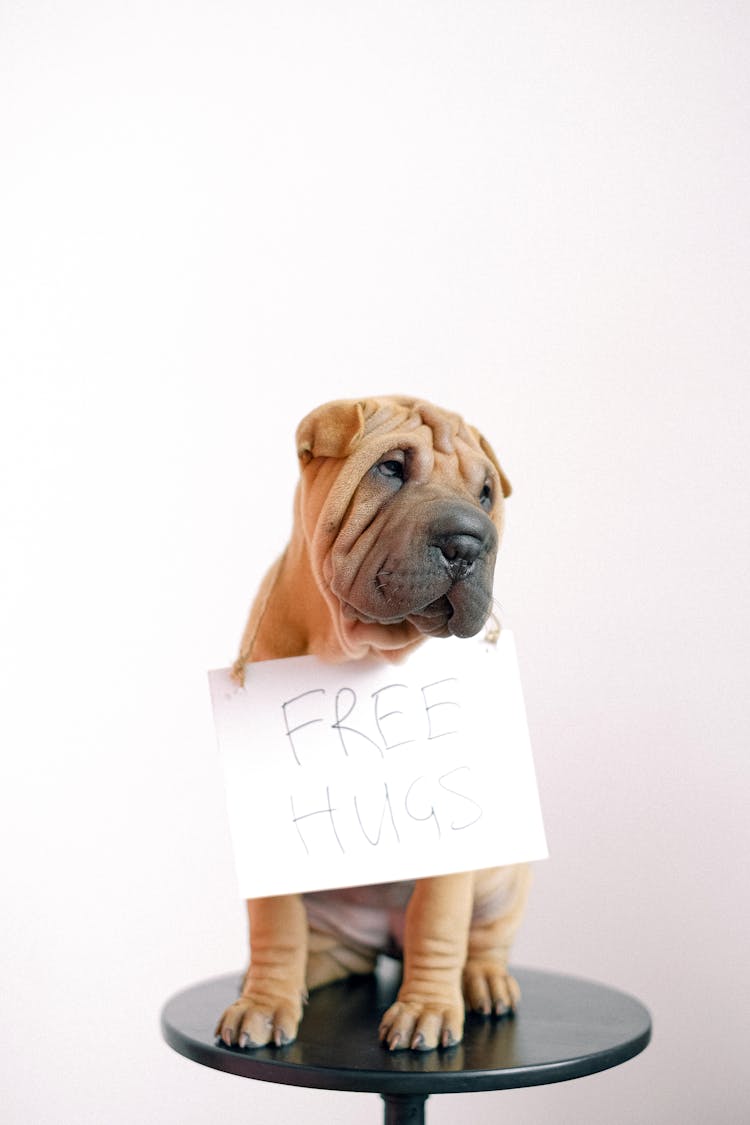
x,y
398,516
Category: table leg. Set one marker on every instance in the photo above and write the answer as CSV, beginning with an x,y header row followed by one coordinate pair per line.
x,y
404,1109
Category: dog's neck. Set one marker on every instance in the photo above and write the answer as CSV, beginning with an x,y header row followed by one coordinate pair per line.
x,y
293,616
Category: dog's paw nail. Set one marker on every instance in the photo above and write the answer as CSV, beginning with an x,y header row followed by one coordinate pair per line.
x,y
243,1041
280,1038
417,1043
501,1009
394,1041
448,1039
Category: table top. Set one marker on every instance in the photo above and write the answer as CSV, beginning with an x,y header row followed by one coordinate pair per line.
x,y
566,1027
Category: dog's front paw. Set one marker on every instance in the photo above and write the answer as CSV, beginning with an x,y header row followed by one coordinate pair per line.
x,y
252,1022
422,1025
489,988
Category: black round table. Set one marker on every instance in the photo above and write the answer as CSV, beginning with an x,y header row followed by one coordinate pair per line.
x,y
565,1028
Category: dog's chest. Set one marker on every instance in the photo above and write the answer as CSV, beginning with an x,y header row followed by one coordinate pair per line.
x,y
371,917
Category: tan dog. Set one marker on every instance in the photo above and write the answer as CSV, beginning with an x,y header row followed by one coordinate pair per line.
x,y
397,520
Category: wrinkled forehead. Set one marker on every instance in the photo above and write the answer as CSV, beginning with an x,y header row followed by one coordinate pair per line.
x,y
423,430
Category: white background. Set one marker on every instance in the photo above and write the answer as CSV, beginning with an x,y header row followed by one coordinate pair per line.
x,y
214,216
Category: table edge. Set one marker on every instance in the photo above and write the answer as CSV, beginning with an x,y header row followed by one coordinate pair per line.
x,y
243,1064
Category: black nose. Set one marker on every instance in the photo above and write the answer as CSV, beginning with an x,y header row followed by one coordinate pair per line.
x,y
462,536
461,548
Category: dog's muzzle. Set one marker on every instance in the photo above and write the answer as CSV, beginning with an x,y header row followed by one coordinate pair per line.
x,y
432,565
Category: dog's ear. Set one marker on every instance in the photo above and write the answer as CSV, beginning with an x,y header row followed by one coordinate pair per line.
x,y
332,430
487,448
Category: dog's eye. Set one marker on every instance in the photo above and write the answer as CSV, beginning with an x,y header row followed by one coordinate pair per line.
x,y
485,496
392,469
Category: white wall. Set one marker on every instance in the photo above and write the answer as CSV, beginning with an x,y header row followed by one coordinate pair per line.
x,y
215,215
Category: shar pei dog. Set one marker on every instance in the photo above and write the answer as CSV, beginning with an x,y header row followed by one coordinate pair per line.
x,y
397,520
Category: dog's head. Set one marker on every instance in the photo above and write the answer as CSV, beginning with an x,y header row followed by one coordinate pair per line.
x,y
401,505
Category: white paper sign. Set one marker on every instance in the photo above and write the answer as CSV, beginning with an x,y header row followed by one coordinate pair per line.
x,y
366,772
